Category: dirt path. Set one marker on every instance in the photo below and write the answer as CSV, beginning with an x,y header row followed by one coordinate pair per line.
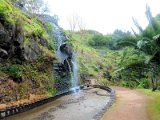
x,y
130,105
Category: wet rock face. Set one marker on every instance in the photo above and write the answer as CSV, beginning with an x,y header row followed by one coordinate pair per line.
x,y
9,40
62,70
4,40
66,48
4,36
32,50
63,65
4,43
62,76
13,46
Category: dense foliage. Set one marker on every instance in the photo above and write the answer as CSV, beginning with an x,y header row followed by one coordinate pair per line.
x,y
113,41
148,43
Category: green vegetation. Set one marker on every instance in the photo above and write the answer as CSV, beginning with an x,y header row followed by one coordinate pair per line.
x,y
21,78
34,77
121,58
15,71
87,59
153,107
113,41
92,62
30,26
148,43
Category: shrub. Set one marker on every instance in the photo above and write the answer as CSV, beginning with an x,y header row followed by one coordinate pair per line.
x,y
129,83
15,71
51,90
143,83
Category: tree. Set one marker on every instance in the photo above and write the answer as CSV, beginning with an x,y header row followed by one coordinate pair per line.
x,y
73,21
124,38
137,25
81,26
76,23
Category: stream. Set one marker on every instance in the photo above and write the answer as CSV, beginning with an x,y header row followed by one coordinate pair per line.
x,y
86,104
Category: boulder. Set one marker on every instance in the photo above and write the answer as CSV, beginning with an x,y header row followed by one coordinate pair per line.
x,y
66,48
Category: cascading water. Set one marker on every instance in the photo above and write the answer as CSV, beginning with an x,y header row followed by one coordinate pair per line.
x,y
74,78
66,69
66,56
59,39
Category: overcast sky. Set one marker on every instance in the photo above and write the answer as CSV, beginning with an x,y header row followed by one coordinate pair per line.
x,y
104,15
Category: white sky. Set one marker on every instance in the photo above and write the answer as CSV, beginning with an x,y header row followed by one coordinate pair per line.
x,y
104,15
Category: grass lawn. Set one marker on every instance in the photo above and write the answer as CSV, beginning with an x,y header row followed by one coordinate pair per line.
x,y
153,106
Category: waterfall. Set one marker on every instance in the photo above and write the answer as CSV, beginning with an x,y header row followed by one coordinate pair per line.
x,y
60,55
59,39
66,69
75,76
66,57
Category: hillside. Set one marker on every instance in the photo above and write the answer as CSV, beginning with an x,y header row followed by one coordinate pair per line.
x,y
26,56
94,63
116,59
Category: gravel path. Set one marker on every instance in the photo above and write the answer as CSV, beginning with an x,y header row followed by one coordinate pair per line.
x,y
130,105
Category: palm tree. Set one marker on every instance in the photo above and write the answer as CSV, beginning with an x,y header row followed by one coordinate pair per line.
x,y
148,41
